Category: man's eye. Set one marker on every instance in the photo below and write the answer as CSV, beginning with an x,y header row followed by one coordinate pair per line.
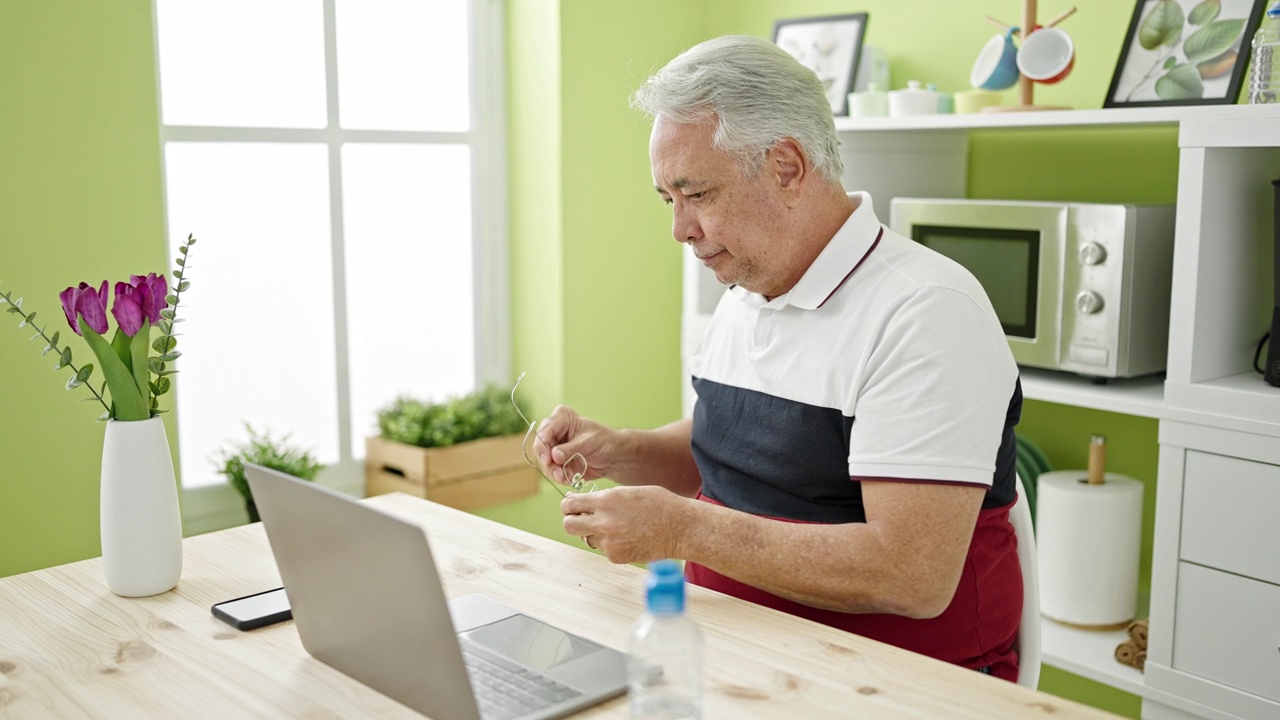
x,y
696,196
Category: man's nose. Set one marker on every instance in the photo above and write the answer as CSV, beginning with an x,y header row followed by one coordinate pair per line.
x,y
685,226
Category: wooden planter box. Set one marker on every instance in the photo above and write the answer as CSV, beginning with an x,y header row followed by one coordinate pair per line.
x,y
465,476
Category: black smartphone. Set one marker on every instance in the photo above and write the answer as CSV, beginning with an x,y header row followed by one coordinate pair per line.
x,y
254,611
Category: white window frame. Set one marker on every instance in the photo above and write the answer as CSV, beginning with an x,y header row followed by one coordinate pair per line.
x,y
213,508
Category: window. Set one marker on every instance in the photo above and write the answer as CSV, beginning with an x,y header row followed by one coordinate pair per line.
x,y
340,163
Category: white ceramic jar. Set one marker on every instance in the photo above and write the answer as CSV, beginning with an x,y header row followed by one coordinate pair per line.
x,y
872,102
913,100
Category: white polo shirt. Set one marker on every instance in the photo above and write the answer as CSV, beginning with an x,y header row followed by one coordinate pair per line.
x,y
885,360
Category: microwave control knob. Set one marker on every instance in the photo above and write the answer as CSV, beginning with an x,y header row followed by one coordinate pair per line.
x,y
1092,253
1088,302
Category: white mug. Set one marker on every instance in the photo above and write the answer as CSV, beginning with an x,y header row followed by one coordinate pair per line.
x,y
1047,55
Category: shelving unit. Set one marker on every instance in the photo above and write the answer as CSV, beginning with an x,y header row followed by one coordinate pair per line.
x,y
1211,406
1143,396
1083,651
1110,117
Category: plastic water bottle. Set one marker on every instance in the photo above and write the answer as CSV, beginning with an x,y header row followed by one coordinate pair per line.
x,y
664,671
1264,73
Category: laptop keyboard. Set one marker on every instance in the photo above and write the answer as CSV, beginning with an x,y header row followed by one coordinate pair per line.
x,y
504,693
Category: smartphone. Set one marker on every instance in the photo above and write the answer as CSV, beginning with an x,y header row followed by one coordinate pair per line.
x,y
254,611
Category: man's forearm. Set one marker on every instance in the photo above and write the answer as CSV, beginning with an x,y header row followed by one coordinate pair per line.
x,y
825,566
906,559
662,456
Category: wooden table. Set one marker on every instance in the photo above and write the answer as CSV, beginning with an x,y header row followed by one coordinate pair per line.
x,y
71,649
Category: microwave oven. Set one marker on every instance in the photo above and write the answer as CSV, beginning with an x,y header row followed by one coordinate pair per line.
x,y
1078,287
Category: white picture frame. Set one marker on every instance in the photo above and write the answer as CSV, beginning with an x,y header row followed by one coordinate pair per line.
x,y
830,46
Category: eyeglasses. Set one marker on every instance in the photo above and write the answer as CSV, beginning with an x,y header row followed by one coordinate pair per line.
x,y
577,481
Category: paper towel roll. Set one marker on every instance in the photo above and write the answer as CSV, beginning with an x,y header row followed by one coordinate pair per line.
x,y
1087,543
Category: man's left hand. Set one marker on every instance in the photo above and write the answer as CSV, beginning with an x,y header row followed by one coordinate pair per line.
x,y
629,524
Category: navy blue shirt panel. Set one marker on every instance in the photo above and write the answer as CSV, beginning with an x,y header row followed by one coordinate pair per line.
x,y
781,458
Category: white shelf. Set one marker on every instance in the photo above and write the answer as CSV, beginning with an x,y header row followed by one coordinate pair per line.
x,y
1059,118
1142,396
1089,654
1243,402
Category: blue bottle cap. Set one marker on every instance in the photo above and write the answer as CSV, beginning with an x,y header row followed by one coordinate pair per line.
x,y
664,588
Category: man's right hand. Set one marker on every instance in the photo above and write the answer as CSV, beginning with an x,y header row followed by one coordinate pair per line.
x,y
567,443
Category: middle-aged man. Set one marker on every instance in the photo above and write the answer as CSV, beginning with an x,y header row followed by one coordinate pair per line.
x,y
851,455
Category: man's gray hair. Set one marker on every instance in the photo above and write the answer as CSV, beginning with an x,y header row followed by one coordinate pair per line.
x,y
759,94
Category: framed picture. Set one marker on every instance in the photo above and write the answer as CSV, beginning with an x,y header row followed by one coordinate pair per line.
x,y
830,47
1184,52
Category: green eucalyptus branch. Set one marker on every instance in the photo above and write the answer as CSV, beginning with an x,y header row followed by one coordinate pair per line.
x,y
80,375
166,345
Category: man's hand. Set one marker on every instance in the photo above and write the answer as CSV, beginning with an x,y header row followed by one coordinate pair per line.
x,y
567,443
630,524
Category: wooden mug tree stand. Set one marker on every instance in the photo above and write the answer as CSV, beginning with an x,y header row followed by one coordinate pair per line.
x,y
1026,86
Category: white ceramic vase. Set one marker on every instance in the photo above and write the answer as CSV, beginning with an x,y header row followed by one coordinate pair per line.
x,y
141,522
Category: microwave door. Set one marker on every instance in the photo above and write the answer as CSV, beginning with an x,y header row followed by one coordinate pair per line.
x,y
1019,266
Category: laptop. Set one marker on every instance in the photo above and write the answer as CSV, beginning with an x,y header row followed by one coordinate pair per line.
x,y
367,600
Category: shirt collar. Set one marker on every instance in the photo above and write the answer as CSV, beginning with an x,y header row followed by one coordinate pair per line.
x,y
851,243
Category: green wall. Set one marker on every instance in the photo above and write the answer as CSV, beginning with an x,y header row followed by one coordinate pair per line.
x,y
534,162
596,274
80,200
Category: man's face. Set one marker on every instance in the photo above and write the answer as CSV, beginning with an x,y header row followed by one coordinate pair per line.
x,y
733,223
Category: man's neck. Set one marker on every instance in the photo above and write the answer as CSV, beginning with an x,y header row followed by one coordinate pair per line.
x,y
822,218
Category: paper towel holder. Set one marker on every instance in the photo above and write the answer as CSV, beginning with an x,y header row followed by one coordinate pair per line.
x,y
1089,581
1097,460
1096,474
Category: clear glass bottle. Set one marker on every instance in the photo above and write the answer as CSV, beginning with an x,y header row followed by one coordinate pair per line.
x,y
665,666
1264,72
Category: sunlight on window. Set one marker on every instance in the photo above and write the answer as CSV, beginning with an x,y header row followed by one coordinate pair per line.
x,y
261,162
258,343
241,63
402,65
410,306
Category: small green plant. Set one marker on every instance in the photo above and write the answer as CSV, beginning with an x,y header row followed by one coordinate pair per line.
x,y
267,451
487,412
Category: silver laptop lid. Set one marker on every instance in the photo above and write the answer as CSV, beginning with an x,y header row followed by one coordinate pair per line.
x,y
366,599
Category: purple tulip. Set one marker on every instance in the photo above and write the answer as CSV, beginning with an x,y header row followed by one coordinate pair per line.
x,y
87,303
140,298
68,298
127,308
157,288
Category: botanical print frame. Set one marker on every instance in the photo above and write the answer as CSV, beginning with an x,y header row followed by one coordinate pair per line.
x,y
830,46
1184,52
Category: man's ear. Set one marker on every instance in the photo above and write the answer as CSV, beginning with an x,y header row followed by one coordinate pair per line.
x,y
789,166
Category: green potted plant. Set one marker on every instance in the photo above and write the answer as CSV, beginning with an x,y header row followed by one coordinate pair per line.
x,y
263,449
463,451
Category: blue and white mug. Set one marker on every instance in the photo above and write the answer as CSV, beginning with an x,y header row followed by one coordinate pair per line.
x,y
996,67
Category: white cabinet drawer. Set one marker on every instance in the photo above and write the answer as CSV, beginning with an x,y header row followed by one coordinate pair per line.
x,y
1230,509
1227,629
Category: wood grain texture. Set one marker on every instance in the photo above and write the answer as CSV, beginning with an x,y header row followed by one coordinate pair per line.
x,y
71,649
